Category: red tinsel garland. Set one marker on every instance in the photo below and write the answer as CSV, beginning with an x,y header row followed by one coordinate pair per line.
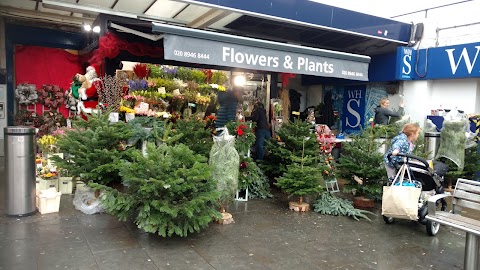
x,y
110,45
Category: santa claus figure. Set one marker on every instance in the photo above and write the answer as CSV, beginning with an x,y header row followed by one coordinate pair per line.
x,y
83,91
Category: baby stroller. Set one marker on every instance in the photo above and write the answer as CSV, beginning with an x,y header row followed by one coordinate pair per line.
x,y
429,180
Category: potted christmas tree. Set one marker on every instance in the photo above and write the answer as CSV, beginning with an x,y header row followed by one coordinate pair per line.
x,y
361,164
301,178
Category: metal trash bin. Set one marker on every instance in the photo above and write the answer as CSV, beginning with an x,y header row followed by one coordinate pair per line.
x,y
20,171
432,143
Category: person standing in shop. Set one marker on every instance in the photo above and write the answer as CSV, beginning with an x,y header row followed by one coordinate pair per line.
x,y
228,102
383,113
262,132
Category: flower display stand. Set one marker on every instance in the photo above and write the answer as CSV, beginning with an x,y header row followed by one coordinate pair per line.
x,y
48,201
65,185
44,184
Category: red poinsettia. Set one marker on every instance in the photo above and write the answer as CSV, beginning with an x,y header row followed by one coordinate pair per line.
x,y
211,118
240,130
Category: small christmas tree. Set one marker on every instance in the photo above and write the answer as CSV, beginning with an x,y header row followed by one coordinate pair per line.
x,y
95,147
301,178
170,190
293,139
362,165
195,135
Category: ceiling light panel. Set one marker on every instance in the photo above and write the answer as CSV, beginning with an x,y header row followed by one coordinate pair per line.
x,y
165,8
192,12
98,3
137,6
23,4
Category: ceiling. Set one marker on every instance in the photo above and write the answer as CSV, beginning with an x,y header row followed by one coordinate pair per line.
x,y
75,13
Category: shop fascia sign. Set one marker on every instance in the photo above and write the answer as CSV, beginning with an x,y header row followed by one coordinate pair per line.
x,y
451,62
210,52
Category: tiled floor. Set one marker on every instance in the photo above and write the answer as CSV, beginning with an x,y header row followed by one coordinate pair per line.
x,y
265,236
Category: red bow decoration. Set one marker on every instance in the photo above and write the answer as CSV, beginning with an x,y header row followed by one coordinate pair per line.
x,y
285,78
240,130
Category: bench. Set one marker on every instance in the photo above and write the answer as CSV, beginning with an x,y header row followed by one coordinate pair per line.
x,y
467,195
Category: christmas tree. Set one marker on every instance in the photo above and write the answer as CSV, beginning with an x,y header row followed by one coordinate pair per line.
x,y
362,165
95,147
170,190
301,178
292,140
195,135
253,178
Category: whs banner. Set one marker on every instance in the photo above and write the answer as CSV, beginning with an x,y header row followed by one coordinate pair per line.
x,y
354,104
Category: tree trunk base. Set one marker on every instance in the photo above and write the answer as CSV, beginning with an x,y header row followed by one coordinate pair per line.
x,y
226,219
299,207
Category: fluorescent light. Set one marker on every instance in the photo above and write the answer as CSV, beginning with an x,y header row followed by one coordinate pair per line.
x,y
239,80
96,29
87,27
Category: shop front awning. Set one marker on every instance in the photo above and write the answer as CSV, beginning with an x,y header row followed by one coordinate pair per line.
x,y
218,49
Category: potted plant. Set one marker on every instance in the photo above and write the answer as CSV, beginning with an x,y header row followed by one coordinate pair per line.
x,y
361,164
301,178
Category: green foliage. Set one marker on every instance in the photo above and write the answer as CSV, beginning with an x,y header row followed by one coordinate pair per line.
x,y
169,84
195,135
300,179
245,138
329,204
156,71
151,128
452,142
294,137
219,78
95,148
185,74
198,76
171,191
419,150
386,131
472,166
361,157
252,177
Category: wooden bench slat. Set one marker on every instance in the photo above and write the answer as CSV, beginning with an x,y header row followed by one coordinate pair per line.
x,y
460,218
458,221
461,194
465,203
467,187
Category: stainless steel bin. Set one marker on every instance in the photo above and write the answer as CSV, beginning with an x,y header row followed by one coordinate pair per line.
x,y
432,143
20,171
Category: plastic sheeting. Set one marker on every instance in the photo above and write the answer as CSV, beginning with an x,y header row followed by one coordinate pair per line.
x,y
225,162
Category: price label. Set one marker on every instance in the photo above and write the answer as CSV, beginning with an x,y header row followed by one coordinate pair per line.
x,y
192,105
296,113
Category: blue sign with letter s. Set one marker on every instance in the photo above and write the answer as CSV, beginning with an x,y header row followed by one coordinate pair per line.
x,y
354,103
406,63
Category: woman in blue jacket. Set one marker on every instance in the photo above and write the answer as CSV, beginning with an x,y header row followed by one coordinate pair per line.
x,y
402,143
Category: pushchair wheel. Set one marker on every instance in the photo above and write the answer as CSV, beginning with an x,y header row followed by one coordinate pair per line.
x,y
432,227
388,220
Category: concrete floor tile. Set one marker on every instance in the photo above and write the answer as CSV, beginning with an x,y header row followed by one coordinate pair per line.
x,y
124,259
109,238
97,221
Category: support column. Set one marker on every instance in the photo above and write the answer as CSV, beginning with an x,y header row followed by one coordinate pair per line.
x,y
471,252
